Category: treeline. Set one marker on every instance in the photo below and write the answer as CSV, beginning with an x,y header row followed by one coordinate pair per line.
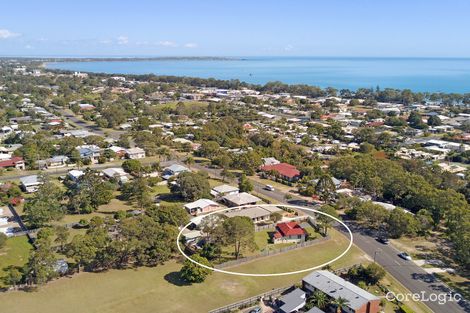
x,y
415,187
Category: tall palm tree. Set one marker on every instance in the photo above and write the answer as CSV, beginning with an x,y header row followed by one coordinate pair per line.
x,y
340,303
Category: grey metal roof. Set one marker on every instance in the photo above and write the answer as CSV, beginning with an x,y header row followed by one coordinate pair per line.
x,y
292,300
242,198
335,287
30,180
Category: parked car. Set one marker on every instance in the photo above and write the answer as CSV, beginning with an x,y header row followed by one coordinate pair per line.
x,y
383,240
269,187
404,256
256,310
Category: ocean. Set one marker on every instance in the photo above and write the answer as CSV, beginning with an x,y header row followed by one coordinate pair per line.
x,y
418,74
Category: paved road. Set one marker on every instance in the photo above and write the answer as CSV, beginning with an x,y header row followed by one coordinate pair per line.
x,y
406,272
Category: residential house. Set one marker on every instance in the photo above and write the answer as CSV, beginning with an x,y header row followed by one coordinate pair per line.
x,y
289,232
201,206
270,161
14,162
31,183
284,170
116,173
293,301
174,170
334,287
120,152
240,199
223,190
75,174
90,152
135,153
57,161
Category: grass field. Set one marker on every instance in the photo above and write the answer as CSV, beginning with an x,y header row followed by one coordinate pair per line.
x,y
160,290
16,252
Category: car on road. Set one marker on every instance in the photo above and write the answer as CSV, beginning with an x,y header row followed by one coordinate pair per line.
x,y
404,256
256,310
269,188
383,240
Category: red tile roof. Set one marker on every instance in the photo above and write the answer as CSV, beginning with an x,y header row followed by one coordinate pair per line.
x,y
289,229
11,162
284,169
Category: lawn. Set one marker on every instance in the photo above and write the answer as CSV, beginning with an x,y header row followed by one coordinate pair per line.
x,y
160,290
16,252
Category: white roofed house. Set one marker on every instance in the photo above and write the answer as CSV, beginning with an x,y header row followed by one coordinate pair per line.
x,y
116,173
135,153
256,213
223,190
57,161
75,174
31,183
201,206
240,199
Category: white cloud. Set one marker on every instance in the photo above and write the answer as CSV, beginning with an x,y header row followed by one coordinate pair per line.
x,y
28,47
5,34
288,48
190,45
123,40
167,43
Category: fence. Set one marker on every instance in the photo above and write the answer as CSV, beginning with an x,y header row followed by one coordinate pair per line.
x,y
251,301
271,252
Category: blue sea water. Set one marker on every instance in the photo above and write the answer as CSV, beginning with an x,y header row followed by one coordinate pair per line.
x,y
417,74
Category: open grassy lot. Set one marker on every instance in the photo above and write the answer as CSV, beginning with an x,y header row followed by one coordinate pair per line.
x,y
160,290
16,252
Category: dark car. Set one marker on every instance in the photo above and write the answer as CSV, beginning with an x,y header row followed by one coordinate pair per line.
x,y
383,240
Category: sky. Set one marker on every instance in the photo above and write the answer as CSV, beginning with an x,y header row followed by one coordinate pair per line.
x,y
335,28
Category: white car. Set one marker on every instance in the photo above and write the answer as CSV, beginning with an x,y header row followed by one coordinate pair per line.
x,y
269,187
404,256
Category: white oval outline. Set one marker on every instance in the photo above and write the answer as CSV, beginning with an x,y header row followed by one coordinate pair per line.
x,y
273,274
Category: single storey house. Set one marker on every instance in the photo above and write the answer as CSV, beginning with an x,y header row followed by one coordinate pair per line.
x,y
240,199
14,162
293,301
283,170
116,173
174,170
135,153
224,190
289,232
31,183
201,206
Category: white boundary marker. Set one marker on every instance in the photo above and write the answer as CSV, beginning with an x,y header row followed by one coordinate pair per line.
x,y
272,274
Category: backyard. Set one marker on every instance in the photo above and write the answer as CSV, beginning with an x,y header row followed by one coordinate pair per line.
x,y
16,252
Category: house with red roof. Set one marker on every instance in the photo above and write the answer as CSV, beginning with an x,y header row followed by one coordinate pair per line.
x,y
284,170
289,232
16,162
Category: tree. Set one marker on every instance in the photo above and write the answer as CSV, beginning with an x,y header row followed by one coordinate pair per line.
x,y
325,188
82,250
318,299
244,184
239,231
340,302
41,263
172,214
45,206
62,235
374,273
3,240
133,167
276,217
137,192
434,120
324,220
194,273
192,186
89,192
211,250
400,223
13,276
189,161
